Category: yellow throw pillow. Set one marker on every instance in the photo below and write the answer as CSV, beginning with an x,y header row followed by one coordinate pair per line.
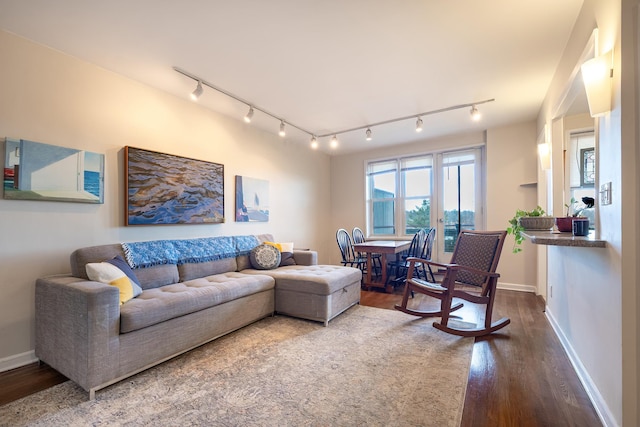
x,y
274,244
108,273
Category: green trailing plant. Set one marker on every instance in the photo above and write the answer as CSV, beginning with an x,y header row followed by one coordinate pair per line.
x,y
516,229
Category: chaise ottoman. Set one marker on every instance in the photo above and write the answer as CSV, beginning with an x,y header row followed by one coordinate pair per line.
x,y
314,292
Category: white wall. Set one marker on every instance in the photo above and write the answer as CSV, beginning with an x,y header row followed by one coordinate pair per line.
x,y
511,161
56,99
594,302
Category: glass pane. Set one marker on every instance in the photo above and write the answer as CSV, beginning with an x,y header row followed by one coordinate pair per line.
x,y
417,182
417,215
459,201
384,217
383,185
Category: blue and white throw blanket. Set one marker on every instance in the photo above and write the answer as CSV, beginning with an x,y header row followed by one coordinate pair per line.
x,y
158,252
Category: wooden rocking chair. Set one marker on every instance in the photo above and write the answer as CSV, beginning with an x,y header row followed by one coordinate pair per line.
x,y
473,266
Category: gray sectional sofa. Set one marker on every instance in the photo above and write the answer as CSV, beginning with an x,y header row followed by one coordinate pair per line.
x,y
85,333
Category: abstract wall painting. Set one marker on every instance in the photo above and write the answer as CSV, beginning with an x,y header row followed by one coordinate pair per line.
x,y
168,189
252,199
38,171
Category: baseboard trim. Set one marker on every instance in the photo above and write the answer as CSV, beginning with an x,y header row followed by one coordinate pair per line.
x,y
516,287
605,415
18,360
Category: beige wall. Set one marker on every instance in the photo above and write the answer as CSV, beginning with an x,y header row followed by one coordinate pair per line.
x,y
53,98
511,162
511,185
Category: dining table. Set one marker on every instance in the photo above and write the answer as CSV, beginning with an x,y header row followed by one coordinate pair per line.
x,y
383,247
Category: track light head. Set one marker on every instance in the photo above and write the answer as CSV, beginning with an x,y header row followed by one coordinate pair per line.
x,y
314,142
282,132
197,92
368,133
249,115
334,142
419,125
475,114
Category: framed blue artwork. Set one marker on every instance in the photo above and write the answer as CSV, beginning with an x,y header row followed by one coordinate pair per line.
x,y
252,199
168,189
38,171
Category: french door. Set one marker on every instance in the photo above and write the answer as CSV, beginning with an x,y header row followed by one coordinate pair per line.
x,y
459,197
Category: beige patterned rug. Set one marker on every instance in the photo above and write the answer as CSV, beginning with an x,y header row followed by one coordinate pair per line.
x,y
369,367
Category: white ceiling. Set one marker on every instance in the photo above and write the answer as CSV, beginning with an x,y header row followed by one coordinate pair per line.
x,y
324,65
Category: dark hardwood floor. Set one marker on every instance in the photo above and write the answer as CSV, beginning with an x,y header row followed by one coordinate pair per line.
x,y
519,376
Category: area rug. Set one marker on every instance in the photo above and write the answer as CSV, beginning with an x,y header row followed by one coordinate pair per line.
x,y
369,367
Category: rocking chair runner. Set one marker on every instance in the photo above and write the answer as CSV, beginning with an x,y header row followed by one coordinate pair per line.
x,y
473,265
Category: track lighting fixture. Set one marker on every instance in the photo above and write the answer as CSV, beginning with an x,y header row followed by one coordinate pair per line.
x,y
197,91
249,115
475,114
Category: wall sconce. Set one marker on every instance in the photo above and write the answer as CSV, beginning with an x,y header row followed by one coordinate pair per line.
x,y
596,76
544,154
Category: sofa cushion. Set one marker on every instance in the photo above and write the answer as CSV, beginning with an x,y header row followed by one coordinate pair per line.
x,y
265,257
167,302
313,279
150,277
158,275
190,271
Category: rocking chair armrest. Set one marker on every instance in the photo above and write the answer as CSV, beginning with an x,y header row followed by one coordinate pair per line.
x,y
426,261
456,267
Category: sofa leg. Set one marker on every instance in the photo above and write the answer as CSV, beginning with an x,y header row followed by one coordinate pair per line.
x,y
92,394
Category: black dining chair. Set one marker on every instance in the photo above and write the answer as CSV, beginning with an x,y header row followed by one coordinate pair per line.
x,y
398,268
349,257
358,237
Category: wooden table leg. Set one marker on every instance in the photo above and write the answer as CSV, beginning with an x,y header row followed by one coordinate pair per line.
x,y
387,287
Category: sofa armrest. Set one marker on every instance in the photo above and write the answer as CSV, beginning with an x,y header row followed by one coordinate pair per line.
x,y
77,328
305,257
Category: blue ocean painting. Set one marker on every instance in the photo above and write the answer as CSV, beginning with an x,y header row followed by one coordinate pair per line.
x,y
168,189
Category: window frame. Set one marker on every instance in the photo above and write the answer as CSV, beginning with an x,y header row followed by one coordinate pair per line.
x,y
400,197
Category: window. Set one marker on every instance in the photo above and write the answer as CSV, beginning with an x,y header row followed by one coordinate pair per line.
x,y
444,190
399,195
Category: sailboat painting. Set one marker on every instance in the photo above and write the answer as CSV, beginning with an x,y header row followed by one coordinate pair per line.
x,y
252,199
38,171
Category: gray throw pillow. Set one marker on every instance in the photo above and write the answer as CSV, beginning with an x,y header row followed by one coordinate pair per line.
x,y
265,257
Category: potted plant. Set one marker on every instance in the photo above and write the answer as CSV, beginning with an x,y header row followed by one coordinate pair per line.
x,y
565,223
528,220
